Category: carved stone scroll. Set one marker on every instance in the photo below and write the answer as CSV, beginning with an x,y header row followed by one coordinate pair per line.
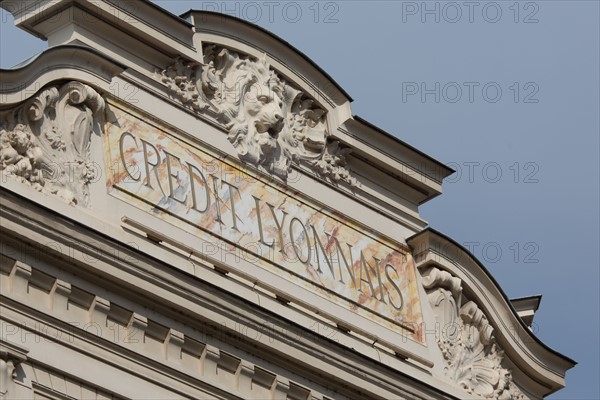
x,y
45,142
473,359
271,124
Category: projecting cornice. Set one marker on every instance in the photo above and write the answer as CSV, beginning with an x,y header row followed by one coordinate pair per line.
x,y
61,63
526,307
53,20
449,267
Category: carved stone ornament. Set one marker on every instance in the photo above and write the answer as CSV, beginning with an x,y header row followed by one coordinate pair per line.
x,y
11,355
473,359
271,124
45,142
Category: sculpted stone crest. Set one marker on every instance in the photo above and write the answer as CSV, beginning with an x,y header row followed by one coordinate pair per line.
x,y
473,359
271,124
45,142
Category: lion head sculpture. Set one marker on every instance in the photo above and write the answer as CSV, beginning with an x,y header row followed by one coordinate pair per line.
x,y
253,103
270,123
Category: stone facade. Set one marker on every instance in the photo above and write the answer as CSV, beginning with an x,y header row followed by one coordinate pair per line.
x,y
191,215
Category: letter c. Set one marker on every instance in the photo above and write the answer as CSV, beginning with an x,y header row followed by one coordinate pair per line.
x,y
121,141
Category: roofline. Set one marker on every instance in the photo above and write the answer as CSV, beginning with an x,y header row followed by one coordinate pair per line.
x,y
403,143
537,297
61,47
274,36
487,272
176,17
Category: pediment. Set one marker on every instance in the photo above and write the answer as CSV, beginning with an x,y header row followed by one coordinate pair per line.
x,y
487,347
335,147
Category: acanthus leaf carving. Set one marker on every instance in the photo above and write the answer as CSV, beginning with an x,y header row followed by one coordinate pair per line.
x,y
473,358
45,142
271,124
333,163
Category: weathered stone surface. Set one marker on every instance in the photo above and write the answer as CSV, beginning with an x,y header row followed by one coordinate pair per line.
x,y
276,228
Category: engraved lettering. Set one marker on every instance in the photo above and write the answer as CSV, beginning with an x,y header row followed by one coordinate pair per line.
x,y
170,177
121,141
279,226
391,281
194,171
295,239
319,245
147,164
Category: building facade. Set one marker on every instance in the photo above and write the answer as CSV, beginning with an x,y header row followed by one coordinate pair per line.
x,y
189,209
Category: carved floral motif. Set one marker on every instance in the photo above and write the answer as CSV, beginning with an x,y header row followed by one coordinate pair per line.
x,y
333,163
45,142
271,124
473,359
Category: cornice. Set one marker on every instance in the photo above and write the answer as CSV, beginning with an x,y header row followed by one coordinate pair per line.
x,y
140,19
60,63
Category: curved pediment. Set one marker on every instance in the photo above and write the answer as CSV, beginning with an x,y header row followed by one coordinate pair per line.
x,y
249,38
485,344
276,104
321,134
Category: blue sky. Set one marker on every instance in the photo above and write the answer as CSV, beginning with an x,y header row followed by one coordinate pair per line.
x,y
507,94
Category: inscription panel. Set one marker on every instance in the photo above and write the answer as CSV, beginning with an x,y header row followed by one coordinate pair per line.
x,y
153,167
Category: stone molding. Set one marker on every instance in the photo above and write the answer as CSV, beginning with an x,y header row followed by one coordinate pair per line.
x,y
96,316
52,384
333,356
271,124
45,142
466,339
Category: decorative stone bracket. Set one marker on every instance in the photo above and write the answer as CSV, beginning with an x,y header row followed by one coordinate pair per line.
x,y
271,124
45,142
466,339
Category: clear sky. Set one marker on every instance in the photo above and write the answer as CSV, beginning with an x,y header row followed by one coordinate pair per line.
x,y
507,94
